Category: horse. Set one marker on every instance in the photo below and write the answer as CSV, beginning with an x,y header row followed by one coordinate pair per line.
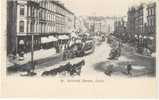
x,y
76,68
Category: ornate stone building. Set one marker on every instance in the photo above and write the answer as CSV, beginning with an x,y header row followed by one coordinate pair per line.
x,y
41,18
142,24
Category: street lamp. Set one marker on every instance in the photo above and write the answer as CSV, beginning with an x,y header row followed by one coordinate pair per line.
x,y
32,51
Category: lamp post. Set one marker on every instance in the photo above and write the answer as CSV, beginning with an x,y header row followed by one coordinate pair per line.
x,y
32,52
140,39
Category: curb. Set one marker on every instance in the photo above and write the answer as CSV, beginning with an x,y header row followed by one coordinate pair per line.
x,y
34,60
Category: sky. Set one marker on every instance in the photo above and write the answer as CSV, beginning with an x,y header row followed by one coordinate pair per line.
x,y
101,7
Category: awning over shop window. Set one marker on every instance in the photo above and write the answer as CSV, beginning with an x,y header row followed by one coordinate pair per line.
x,y
52,38
45,40
151,38
145,37
63,37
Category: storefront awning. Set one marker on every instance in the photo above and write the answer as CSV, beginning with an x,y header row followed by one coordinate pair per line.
x,y
52,38
45,40
63,37
145,37
151,38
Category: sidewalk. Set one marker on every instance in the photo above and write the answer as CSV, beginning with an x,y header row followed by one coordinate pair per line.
x,y
38,55
141,65
133,50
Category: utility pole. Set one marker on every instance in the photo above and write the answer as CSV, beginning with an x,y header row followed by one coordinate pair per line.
x,y
32,52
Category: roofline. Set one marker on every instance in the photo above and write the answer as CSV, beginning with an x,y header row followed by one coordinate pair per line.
x,y
62,6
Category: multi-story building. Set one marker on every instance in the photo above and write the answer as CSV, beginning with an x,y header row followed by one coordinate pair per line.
x,y
142,24
99,24
120,27
151,26
70,22
140,19
41,18
131,21
151,18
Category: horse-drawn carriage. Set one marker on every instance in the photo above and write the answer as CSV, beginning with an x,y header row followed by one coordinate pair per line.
x,y
115,51
72,69
73,51
78,50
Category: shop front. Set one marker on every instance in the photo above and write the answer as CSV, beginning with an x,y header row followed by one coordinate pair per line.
x,y
63,42
49,42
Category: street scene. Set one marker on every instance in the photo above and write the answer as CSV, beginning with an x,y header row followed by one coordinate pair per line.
x,y
57,38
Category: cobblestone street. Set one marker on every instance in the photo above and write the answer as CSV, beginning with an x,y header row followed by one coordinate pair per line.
x,y
97,62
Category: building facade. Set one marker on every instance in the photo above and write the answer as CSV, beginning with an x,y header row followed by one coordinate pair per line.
x,y
99,24
131,21
142,24
120,28
151,18
151,26
41,18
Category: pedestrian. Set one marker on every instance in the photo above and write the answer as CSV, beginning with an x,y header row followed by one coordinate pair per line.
x,y
109,70
21,55
29,69
129,68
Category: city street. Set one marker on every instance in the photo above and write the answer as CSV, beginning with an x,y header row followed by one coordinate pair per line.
x,y
97,62
60,36
101,48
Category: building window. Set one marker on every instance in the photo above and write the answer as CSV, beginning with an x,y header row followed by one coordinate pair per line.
x,y
153,11
148,11
21,10
152,22
32,27
21,26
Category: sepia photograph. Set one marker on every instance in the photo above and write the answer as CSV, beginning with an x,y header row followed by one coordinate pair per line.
x,y
99,48
49,38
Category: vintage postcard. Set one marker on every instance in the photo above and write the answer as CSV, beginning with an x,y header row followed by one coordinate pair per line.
x,y
79,48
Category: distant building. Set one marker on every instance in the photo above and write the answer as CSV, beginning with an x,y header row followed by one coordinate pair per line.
x,y
140,19
99,24
131,21
38,17
120,27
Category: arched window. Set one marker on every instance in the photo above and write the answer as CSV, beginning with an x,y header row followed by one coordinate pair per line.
x,y
21,26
